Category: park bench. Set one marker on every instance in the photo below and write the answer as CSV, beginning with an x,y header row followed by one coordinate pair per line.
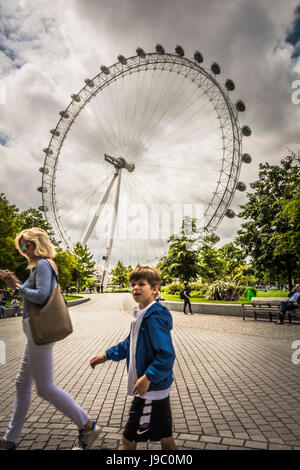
x,y
263,306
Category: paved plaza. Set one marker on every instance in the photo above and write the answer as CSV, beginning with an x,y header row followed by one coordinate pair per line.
x,y
236,386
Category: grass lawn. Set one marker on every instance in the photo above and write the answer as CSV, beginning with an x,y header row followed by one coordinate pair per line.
x,y
176,298
73,297
272,293
260,293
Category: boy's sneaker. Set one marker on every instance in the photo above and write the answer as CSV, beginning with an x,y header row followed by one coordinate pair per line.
x,y
86,438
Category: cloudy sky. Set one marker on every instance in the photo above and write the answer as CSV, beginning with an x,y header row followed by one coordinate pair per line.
x,y
47,49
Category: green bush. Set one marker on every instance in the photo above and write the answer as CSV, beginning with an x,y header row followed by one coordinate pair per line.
x,y
199,288
195,293
196,288
219,290
173,288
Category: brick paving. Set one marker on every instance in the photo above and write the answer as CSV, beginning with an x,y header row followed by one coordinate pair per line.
x,y
235,384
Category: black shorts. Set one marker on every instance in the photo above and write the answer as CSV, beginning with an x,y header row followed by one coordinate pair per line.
x,y
149,420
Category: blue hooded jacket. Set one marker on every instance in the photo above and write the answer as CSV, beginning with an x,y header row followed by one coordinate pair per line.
x,y
155,354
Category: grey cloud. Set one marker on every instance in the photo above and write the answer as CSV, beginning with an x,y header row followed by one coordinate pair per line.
x,y
24,32
293,34
253,41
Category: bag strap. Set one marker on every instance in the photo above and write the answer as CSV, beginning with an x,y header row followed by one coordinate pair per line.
x,y
53,267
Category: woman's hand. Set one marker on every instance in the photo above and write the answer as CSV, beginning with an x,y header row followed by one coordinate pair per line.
x,y
97,360
10,279
141,386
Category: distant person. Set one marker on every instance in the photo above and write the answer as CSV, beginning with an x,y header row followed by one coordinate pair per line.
x,y
15,305
2,305
185,295
291,304
150,357
159,297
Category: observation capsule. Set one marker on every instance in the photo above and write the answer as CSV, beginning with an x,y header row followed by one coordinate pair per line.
x,y
215,68
246,158
44,170
230,85
105,69
48,151
141,53
215,237
75,98
240,106
198,57
43,208
230,213
122,59
160,49
40,189
64,114
246,131
89,82
241,186
179,51
55,132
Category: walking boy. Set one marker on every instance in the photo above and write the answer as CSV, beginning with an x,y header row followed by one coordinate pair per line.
x,y
150,356
16,306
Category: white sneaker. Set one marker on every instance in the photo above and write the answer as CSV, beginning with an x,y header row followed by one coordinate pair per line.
x,y
86,438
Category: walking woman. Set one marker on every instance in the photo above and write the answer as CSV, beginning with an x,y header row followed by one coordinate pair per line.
x,y
37,361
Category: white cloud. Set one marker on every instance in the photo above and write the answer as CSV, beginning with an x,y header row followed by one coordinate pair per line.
x,y
47,49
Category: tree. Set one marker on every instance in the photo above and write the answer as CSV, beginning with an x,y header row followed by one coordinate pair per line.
x,y
181,262
85,266
66,264
233,258
25,220
129,271
244,275
119,274
212,265
9,227
35,218
272,216
290,240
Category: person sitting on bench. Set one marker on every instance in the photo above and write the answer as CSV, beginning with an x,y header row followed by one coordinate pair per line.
x,y
291,304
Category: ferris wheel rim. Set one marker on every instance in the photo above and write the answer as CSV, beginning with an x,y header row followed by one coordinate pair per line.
x,y
137,63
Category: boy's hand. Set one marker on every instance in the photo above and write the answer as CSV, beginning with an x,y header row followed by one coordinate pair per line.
x,y
141,386
97,360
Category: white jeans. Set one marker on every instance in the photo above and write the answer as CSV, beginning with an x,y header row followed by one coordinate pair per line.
x,y
37,365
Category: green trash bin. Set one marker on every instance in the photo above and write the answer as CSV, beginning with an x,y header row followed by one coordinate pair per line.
x,y
250,292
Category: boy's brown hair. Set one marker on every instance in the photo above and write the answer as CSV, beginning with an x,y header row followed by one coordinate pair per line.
x,y
151,275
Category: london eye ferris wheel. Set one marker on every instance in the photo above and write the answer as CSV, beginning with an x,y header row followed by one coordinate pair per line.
x,y
147,141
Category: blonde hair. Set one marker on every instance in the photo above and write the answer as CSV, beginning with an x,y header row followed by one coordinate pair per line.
x,y
43,245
